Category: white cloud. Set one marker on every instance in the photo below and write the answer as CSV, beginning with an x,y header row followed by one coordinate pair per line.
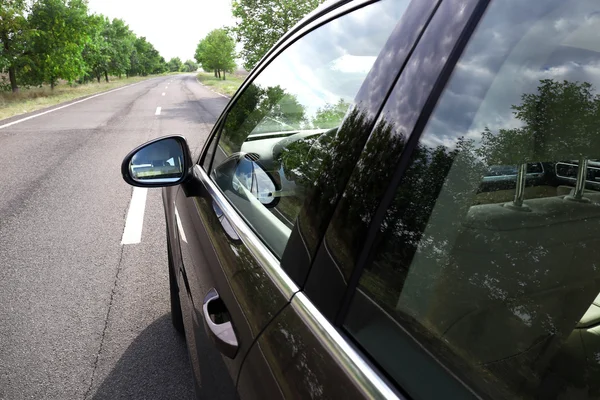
x,y
174,27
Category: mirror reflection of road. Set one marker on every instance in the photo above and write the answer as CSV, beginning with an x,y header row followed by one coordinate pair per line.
x,y
84,316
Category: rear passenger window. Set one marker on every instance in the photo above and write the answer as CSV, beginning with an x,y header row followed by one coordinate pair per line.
x,y
489,256
273,138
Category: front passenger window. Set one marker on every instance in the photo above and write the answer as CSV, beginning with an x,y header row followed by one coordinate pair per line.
x,y
270,146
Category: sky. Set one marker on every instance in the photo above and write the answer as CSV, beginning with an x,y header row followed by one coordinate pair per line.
x,y
174,27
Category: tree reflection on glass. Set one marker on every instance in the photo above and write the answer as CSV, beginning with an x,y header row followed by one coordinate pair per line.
x,y
260,110
483,284
560,122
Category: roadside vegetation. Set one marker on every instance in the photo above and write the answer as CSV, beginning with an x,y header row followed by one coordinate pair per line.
x,y
33,99
226,87
53,51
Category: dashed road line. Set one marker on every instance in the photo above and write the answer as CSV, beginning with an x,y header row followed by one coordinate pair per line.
x,y
158,110
132,233
163,93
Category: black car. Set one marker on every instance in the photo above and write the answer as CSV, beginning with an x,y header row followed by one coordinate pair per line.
x,y
383,209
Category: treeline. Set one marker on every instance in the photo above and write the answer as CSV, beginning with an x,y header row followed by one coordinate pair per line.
x,y
175,65
44,41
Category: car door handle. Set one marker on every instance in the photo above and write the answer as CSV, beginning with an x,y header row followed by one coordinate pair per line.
x,y
218,326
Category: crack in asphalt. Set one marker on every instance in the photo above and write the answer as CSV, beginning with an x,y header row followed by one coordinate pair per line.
x,y
110,304
106,319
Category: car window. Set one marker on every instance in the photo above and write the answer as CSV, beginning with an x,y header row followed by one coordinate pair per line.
x,y
487,261
273,136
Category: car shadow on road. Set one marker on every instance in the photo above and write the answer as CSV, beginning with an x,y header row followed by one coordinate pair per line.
x,y
154,366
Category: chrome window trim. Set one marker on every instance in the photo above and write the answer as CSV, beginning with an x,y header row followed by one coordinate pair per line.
x,y
365,377
260,252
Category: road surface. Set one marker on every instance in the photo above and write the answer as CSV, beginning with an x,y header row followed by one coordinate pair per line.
x,y
81,315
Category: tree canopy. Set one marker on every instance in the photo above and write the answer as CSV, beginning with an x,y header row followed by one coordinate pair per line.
x,y
260,24
44,41
14,35
189,66
174,64
216,52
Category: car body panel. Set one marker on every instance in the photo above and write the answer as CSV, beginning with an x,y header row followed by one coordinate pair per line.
x,y
310,359
216,255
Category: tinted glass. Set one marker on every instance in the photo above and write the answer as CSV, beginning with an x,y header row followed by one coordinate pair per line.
x,y
208,155
488,258
291,111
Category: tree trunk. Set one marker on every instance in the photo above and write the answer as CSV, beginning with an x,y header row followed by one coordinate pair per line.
x,y
106,76
215,73
98,77
223,74
219,72
12,76
52,84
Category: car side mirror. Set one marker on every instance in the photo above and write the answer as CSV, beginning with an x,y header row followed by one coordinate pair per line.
x,y
241,174
161,162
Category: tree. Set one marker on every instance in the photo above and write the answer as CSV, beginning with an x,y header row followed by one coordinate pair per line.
x,y
145,59
121,41
260,24
59,43
97,51
216,52
189,66
175,64
14,33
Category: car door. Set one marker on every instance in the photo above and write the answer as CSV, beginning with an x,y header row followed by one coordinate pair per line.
x,y
308,351
457,291
234,228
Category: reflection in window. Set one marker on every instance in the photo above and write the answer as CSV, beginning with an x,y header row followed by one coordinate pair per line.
x,y
489,254
287,116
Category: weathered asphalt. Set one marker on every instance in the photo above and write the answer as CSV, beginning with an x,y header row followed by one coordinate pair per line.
x,y
82,316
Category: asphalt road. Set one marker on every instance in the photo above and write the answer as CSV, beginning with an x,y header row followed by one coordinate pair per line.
x,y
81,315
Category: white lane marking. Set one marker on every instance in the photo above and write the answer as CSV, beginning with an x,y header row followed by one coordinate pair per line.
x,y
163,93
166,87
179,226
68,105
158,110
135,217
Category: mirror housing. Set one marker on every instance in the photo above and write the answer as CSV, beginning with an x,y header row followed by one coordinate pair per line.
x,y
161,162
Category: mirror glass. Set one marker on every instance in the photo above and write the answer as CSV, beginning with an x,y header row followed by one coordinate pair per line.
x,y
158,162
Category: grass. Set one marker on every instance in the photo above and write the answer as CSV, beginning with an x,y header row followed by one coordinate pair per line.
x,y
227,87
27,100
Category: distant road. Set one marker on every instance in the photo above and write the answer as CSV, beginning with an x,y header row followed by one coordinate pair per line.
x,y
83,316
